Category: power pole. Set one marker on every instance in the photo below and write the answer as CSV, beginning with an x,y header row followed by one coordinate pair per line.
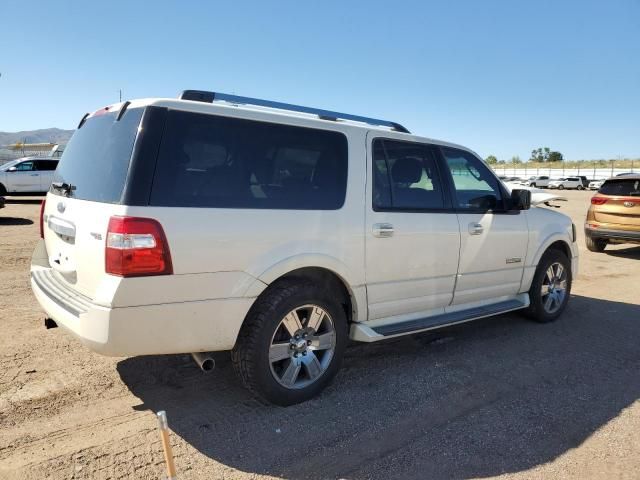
x,y
121,95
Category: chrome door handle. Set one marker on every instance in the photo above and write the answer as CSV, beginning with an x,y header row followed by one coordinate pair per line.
x,y
35,174
475,228
382,230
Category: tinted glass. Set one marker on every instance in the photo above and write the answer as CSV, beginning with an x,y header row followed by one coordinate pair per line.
x,y
476,188
96,159
627,187
405,176
211,161
46,165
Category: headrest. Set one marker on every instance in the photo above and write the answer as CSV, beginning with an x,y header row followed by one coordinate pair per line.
x,y
406,170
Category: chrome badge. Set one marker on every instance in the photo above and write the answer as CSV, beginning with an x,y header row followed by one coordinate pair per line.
x,y
61,207
629,204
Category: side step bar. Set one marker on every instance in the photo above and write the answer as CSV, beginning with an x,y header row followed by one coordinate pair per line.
x,y
363,332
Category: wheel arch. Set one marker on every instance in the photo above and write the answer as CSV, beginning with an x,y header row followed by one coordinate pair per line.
x,y
326,271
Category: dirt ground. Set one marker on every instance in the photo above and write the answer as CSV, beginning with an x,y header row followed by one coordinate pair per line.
x,y
498,398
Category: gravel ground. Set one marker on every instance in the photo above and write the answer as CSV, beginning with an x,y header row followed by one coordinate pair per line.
x,y
497,398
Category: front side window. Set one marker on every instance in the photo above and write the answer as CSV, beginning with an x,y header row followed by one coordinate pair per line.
x,y
475,187
24,167
222,162
405,176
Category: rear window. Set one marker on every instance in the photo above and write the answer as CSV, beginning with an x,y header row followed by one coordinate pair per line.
x,y
96,159
212,161
627,187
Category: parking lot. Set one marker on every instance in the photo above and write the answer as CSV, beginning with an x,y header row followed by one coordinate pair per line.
x,y
501,397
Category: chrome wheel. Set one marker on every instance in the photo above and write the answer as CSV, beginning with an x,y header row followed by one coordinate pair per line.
x,y
302,346
554,288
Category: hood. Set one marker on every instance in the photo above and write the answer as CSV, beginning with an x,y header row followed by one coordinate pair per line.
x,y
538,196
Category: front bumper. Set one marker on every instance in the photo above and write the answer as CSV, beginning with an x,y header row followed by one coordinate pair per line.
x,y
179,327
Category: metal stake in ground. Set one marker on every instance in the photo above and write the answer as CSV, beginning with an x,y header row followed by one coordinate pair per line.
x,y
166,445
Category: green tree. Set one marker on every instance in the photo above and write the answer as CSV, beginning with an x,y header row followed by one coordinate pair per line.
x,y
516,160
491,160
545,154
555,157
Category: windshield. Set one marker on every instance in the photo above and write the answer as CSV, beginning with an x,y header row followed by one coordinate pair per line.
x,y
8,165
96,160
627,187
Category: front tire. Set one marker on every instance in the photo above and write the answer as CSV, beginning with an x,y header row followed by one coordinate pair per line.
x,y
580,187
292,342
3,190
550,288
560,187
595,244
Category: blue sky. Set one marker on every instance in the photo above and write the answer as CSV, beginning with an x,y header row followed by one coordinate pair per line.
x,y
501,77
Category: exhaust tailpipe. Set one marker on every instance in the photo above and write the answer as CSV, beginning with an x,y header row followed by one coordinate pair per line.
x,y
204,361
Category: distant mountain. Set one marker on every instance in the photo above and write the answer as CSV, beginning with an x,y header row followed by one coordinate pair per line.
x,y
45,135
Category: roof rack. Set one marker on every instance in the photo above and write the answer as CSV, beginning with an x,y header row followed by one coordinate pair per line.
x,y
210,97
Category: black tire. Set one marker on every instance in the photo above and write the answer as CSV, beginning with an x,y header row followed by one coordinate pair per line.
x,y
595,244
580,187
536,310
560,187
533,185
3,190
250,356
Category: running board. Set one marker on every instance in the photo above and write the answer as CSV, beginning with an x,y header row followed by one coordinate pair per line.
x,y
364,333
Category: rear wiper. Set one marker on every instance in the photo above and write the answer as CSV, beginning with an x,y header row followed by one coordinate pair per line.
x,y
65,188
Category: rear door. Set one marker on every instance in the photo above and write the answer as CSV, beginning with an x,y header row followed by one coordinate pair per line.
x,y
412,234
493,239
46,168
622,208
91,178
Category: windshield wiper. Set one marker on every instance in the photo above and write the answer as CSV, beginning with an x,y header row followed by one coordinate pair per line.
x,y
65,188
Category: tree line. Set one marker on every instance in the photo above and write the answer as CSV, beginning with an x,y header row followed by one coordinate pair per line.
x,y
540,155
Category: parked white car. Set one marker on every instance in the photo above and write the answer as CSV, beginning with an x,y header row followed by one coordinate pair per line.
x,y
596,184
215,222
566,182
539,181
27,176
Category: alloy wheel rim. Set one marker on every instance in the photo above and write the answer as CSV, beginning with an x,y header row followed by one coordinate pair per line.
x,y
302,346
554,288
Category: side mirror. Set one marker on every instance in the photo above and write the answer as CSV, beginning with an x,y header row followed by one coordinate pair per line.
x,y
520,199
12,169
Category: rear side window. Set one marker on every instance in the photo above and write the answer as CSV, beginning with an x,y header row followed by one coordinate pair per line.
x,y
96,159
405,176
213,161
627,187
46,165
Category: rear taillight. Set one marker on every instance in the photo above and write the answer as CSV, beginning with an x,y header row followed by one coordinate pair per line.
x,y
136,247
42,218
598,200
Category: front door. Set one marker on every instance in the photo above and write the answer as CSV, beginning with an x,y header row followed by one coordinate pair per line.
x,y
25,178
493,237
412,234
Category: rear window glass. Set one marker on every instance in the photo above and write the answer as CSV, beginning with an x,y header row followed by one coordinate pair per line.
x,y
96,159
212,161
628,187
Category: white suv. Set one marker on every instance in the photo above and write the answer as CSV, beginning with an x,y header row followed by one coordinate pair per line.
x,y
214,222
566,182
27,176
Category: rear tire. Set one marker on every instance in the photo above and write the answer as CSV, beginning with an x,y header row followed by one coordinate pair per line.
x,y
580,187
292,342
550,288
533,185
595,244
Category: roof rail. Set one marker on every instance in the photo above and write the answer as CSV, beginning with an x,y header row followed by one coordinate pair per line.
x,y
210,97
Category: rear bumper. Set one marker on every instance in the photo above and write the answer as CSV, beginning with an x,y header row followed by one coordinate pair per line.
x,y
184,327
632,236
